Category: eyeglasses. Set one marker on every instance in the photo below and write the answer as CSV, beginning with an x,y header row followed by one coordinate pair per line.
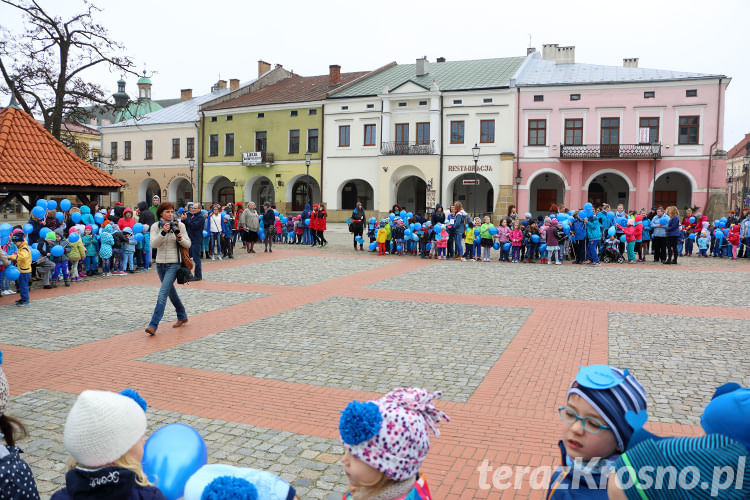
x,y
590,424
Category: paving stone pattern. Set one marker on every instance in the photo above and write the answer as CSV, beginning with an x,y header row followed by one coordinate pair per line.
x,y
296,271
61,322
310,463
680,361
647,284
361,344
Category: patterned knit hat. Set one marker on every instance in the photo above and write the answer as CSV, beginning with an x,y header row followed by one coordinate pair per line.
x,y
4,388
695,460
611,392
391,434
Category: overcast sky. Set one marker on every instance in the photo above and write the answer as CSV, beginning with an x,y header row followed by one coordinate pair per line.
x,y
190,43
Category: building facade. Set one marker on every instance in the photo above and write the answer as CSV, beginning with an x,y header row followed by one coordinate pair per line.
x,y
639,137
738,175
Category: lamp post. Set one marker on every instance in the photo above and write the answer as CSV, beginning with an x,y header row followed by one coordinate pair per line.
x,y
308,157
475,155
655,147
191,165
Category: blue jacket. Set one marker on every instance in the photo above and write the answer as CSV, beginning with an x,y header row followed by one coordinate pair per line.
x,y
579,228
560,486
110,483
673,228
657,232
194,224
603,220
594,230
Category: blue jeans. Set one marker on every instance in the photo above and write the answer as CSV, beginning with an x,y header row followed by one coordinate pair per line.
x,y
591,251
167,274
120,254
215,243
531,250
105,265
23,286
195,254
127,261
306,236
90,263
458,243
477,248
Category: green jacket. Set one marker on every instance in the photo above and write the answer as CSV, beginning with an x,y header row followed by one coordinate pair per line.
x,y
484,231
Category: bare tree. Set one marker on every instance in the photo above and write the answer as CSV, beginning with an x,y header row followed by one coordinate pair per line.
x,y
44,66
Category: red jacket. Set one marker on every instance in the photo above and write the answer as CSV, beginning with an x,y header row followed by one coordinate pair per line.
x,y
629,232
123,222
734,235
322,216
638,228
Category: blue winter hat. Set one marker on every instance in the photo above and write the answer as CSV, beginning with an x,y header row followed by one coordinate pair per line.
x,y
221,481
612,392
728,413
695,460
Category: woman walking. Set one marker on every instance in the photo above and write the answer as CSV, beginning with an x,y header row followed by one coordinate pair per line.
x,y
358,224
167,236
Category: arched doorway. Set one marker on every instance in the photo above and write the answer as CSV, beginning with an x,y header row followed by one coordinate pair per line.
x,y
354,191
303,190
463,191
180,191
147,189
225,195
216,186
610,188
411,194
545,189
673,188
262,191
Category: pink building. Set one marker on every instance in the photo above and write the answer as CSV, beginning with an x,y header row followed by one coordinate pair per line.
x,y
629,135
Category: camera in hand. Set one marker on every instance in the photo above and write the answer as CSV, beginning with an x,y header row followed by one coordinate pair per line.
x,y
174,226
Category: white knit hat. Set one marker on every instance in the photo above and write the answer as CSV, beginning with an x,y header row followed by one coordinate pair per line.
x,y
102,426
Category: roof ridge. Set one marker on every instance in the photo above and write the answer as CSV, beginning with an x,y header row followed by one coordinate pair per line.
x,y
6,117
360,78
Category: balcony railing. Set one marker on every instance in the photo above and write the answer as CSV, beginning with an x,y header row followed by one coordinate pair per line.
x,y
407,148
608,151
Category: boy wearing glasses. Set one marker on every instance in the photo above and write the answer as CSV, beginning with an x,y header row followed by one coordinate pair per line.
x,y
594,431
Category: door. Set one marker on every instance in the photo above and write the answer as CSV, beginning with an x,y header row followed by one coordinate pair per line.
x,y
299,197
349,196
610,138
665,198
597,195
545,198
402,138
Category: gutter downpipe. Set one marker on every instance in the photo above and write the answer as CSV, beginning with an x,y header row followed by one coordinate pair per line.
x,y
320,146
196,154
200,157
442,140
710,152
518,145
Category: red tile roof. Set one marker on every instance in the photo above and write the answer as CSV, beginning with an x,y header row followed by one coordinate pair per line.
x,y
31,155
289,90
740,149
79,128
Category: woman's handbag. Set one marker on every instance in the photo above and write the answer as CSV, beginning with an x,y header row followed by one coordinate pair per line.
x,y
185,259
186,265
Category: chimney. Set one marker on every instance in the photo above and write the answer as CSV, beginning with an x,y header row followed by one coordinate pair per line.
x,y
263,67
441,59
422,66
565,55
186,94
530,50
630,62
221,84
234,84
549,51
334,74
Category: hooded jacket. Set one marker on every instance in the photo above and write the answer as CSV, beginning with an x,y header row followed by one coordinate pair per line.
x,y
438,216
124,222
86,217
306,212
111,483
194,224
107,242
734,235
153,207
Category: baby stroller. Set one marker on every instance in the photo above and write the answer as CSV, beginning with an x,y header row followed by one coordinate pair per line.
x,y
611,253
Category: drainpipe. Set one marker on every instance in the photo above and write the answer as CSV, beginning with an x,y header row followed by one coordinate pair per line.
x,y
442,140
518,145
196,156
200,168
710,152
320,146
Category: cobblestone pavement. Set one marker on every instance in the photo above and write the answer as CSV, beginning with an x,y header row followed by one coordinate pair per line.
x,y
680,361
360,344
75,319
310,463
644,284
299,271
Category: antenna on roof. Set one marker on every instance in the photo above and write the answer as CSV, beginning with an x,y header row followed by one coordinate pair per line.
x,y
529,39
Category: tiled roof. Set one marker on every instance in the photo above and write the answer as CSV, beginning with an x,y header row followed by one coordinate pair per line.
x,y
540,71
184,112
741,148
450,75
79,128
289,90
31,155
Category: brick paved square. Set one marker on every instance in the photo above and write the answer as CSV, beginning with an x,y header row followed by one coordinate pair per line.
x,y
310,463
61,322
641,283
680,360
297,271
362,344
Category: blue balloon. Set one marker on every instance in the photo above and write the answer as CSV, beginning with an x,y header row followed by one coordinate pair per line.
x,y
542,247
34,245
205,234
35,254
42,204
60,216
692,220
496,245
415,237
407,233
399,248
94,229
623,239
204,212
623,221
57,251
360,239
28,228
611,231
562,217
611,216
373,246
588,206
391,216
663,221
65,205
428,246
307,222
723,219
75,217
349,220
139,237
73,237
51,205
43,232
438,228
506,247
718,234
692,236
37,212
402,214
12,273
284,220
99,218
438,237
535,238
417,226
5,228
477,232
722,224
137,228
493,230
171,455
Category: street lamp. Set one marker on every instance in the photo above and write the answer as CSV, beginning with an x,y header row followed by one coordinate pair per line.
x,y
475,155
655,150
308,157
191,164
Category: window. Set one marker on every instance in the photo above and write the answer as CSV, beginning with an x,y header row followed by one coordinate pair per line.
x,y
344,136
294,141
458,101
312,140
649,94
610,131
691,93
574,132
487,131
213,118
652,124
113,150
344,108
537,132
228,144
127,152
369,135
260,142
457,132
402,105
423,103
487,100
190,147
293,113
402,133
261,115
176,148
312,112
213,145
689,130
149,150
370,106
575,97
423,133
229,118
538,98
